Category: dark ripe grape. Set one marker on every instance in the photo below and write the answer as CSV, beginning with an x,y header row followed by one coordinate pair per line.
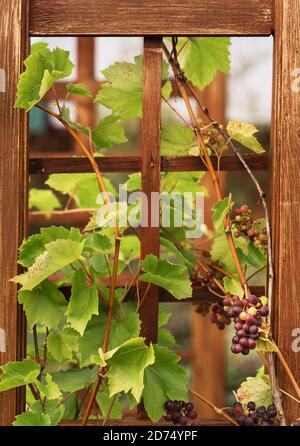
x,y
241,420
253,329
168,417
245,303
266,417
238,325
192,414
213,318
169,406
246,328
176,416
235,340
220,325
245,351
272,413
177,406
261,410
251,344
236,348
249,319
241,333
243,342
254,417
272,407
231,313
183,421
238,302
189,407
254,336
249,421
257,321
264,311
227,301
251,405
215,308
236,310
230,411
238,409
253,300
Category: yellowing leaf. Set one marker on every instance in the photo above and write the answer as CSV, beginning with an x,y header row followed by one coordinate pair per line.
x,y
244,134
257,390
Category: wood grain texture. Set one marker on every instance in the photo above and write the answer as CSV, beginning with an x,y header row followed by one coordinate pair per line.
x,y
285,191
13,192
142,17
48,165
150,174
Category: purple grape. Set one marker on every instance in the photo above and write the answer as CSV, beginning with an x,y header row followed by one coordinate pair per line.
x,y
253,299
253,329
264,311
251,405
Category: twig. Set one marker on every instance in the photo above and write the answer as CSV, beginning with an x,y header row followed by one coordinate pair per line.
x,y
177,113
290,396
215,408
110,409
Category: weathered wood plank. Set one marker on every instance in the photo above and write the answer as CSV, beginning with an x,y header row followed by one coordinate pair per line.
x,y
13,193
285,192
150,174
64,164
141,17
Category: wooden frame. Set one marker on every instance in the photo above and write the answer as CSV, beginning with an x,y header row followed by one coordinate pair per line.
x,y
136,17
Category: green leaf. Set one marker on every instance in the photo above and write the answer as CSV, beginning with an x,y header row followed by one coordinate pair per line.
x,y
127,367
233,286
172,248
98,243
265,345
203,57
32,419
130,248
79,89
52,233
255,257
104,401
58,254
19,373
123,91
43,200
219,211
66,116
220,251
109,131
125,325
134,182
49,389
165,338
52,408
165,379
256,390
166,90
75,379
173,278
83,303
62,344
244,134
43,68
176,140
45,305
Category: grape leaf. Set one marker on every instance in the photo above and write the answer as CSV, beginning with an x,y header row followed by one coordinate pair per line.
x,y
79,89
244,134
109,131
203,57
43,200
220,251
49,389
32,419
127,367
52,408
125,325
62,344
19,373
134,182
165,379
58,254
52,233
171,277
83,303
75,379
265,345
233,285
104,401
176,140
45,305
98,242
255,257
256,390
42,68
219,211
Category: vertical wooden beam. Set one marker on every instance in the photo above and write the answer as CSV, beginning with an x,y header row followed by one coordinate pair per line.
x,y
285,190
150,169
208,342
13,192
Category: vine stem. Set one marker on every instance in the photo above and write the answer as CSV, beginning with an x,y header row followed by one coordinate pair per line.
x,y
215,408
180,79
270,358
114,398
107,200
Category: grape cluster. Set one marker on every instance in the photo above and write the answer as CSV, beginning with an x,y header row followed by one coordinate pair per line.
x,y
247,314
201,280
252,415
244,225
212,137
181,413
219,316
203,308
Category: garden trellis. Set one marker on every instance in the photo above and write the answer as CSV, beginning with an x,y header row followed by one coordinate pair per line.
x,y
21,19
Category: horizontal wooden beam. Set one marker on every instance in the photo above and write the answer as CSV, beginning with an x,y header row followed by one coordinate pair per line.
x,y
143,17
133,164
200,294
